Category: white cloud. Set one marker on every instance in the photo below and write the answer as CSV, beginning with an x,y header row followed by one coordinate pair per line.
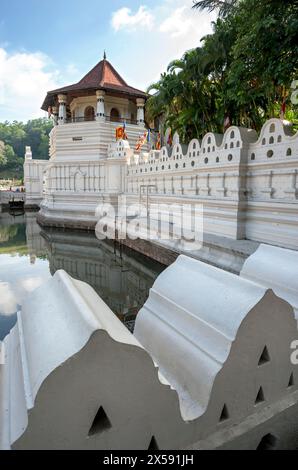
x,y
24,81
177,29
180,22
18,277
8,304
124,19
72,70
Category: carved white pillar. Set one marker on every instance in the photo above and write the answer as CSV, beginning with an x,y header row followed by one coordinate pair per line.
x,y
100,109
28,154
62,109
176,139
141,113
55,115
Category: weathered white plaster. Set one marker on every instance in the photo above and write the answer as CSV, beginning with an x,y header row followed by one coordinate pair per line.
x,y
69,355
49,373
276,268
193,315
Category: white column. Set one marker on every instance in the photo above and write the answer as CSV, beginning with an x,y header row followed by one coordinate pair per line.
x,y
100,109
28,154
140,114
62,109
55,115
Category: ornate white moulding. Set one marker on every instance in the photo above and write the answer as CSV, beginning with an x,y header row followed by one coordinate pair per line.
x,y
200,370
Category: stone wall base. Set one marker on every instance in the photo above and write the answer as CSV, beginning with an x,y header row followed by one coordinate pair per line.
x,y
221,252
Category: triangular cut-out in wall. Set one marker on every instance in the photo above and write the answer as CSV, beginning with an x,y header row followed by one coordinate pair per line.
x,y
224,414
268,442
100,423
264,356
260,396
291,380
153,444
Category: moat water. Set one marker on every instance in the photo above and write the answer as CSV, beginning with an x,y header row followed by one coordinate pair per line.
x,y
30,255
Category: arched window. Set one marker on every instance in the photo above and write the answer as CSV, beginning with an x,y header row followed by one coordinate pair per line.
x,y
89,113
115,116
272,128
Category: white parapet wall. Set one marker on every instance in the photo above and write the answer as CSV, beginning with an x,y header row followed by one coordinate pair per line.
x,y
208,367
210,310
67,383
34,179
246,184
275,268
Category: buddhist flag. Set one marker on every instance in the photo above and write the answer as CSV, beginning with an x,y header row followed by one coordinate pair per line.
x,y
227,122
158,143
283,109
141,141
170,140
119,133
124,132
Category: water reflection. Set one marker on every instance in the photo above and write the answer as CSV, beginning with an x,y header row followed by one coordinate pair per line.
x,y
29,255
21,270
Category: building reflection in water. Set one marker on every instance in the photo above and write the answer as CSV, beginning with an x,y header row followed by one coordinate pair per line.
x,y
30,254
121,277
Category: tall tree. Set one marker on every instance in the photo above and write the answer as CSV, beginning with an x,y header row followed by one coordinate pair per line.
x,y
243,70
223,7
15,136
3,159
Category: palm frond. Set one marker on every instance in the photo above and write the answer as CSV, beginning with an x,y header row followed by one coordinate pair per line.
x,y
223,6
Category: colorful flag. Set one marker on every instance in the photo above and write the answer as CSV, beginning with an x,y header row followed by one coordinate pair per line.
x,y
158,142
141,141
227,122
170,139
149,136
124,132
283,109
119,133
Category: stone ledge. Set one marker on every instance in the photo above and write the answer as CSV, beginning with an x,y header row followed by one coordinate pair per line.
x,y
221,252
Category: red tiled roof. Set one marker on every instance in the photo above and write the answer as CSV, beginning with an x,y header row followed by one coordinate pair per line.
x,y
103,73
102,76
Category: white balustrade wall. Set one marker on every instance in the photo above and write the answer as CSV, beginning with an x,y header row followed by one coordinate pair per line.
x,y
34,179
248,185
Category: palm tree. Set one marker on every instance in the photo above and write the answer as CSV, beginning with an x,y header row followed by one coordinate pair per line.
x,y
223,6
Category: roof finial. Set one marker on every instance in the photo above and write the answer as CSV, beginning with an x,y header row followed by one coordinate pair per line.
x,y
104,55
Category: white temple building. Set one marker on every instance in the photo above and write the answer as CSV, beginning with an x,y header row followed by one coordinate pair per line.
x,y
85,161
246,184
213,360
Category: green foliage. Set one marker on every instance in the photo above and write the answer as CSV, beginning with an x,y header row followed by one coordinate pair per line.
x,y
243,70
3,159
13,139
222,6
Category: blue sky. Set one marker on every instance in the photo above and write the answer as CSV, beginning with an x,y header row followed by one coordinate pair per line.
x,y
46,44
